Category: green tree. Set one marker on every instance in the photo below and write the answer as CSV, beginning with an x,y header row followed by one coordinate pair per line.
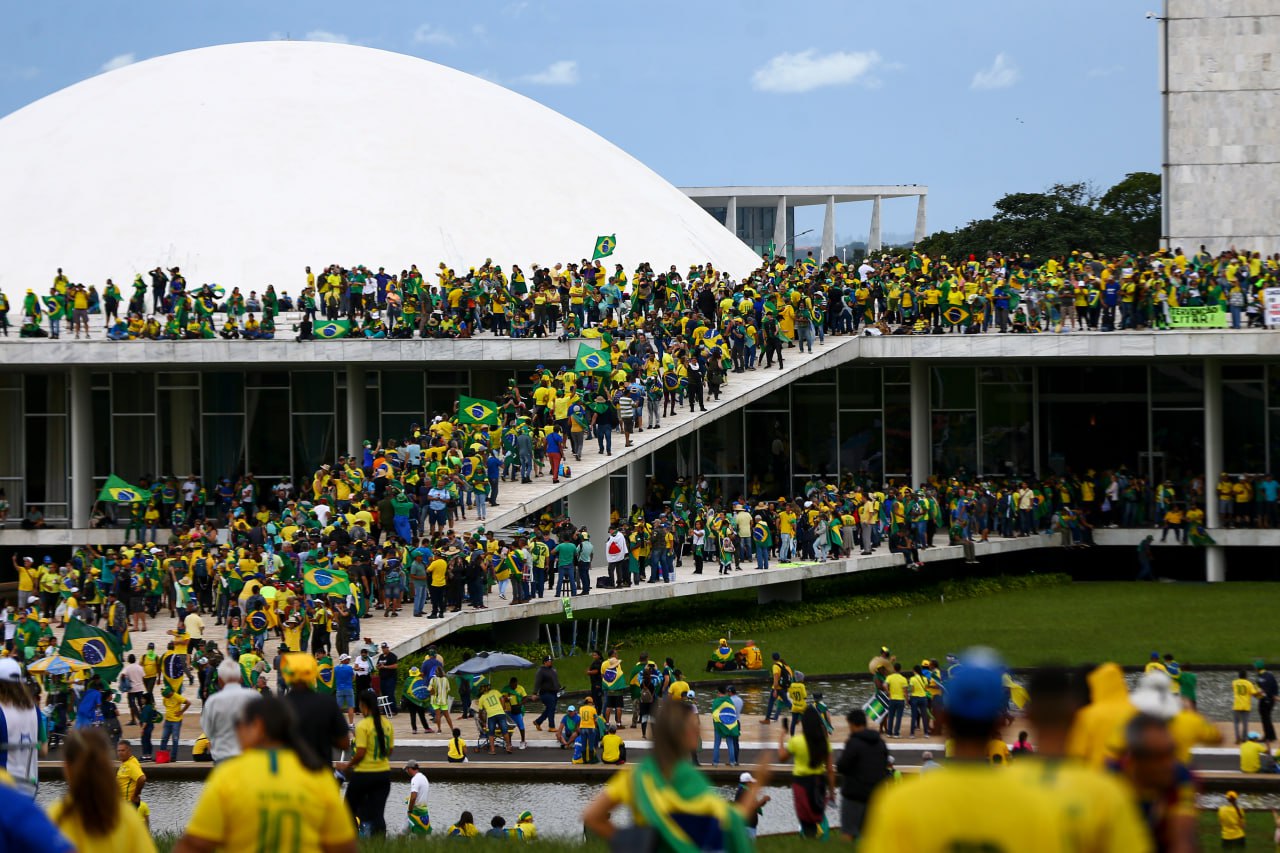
x,y
1063,218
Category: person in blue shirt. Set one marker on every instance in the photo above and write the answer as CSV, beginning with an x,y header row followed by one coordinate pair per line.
x,y
1110,298
493,468
344,687
555,449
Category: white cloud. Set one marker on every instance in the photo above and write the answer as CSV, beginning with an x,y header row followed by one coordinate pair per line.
x,y
514,10
119,61
325,35
562,73
808,70
1001,75
1105,72
427,34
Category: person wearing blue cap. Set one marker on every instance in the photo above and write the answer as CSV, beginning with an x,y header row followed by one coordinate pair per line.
x,y
973,805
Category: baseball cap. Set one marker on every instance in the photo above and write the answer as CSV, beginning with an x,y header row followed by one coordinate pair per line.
x,y
10,670
344,656
975,690
411,765
746,778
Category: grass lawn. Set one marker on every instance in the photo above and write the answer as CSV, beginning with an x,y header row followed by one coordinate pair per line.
x,y
1075,623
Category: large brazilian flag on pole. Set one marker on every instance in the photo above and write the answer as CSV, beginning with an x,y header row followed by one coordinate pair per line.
x,y
592,361
118,491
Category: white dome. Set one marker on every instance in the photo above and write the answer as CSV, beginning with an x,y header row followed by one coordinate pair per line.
x,y
244,163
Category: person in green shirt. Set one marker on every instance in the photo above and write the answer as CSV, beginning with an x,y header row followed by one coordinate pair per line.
x,y
566,555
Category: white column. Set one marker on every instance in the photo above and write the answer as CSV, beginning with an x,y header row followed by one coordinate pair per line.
x,y
1215,558
829,230
637,483
873,239
81,448
921,440
921,220
589,508
780,229
357,429
731,215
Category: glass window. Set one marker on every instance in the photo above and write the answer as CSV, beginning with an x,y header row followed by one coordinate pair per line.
x,y
898,374
266,427
178,380
397,425
13,381
768,467
1178,438
133,393
267,379
1177,385
720,445
313,437
46,461
1006,429
1250,372
780,399
897,436
223,447
674,460
953,388
11,430
46,394
402,391
448,378
1005,374
862,444
313,391
955,443
179,432
133,446
1243,427
822,377
860,388
101,432
813,426
224,393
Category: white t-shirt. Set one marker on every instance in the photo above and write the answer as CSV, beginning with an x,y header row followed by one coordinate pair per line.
x,y
189,491
419,785
361,666
20,735
322,512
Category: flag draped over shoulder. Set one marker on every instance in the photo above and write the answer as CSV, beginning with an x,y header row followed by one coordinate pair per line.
x,y
118,491
173,668
685,811
592,361
331,330
605,246
100,649
472,410
319,581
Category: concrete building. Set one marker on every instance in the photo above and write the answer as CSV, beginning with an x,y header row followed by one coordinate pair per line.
x,y
1220,76
244,163
764,217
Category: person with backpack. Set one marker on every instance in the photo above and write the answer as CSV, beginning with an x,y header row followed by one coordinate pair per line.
x,y
781,681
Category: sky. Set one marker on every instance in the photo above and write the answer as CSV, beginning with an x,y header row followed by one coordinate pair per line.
x,y
973,99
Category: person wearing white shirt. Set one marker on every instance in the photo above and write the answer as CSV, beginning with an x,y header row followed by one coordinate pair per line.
x,y
418,787
322,512
221,711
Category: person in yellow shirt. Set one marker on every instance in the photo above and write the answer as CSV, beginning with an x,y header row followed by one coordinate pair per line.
x,y
1251,755
369,770
1231,822
896,686
960,793
115,824
918,689
275,795
1242,693
798,696
129,776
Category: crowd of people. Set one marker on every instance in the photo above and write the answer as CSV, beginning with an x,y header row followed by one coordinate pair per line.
x,y
898,292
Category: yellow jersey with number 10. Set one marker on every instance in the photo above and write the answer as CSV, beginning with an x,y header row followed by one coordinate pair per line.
x,y
265,800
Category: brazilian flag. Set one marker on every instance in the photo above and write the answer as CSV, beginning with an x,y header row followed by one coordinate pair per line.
x,y
670,380
173,667
472,410
956,315
100,649
506,567
419,821
324,683
118,491
605,247
592,361
331,330
318,581
417,692
258,622
612,678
